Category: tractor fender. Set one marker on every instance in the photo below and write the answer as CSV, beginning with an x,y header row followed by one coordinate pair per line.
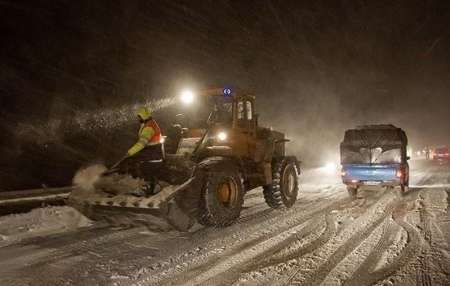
x,y
209,163
295,161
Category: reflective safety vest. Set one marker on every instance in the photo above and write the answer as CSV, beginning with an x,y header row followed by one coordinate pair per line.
x,y
156,137
149,134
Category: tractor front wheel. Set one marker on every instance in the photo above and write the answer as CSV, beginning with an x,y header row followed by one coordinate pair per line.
x,y
222,195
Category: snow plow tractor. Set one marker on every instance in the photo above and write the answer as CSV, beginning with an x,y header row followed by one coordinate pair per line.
x,y
206,170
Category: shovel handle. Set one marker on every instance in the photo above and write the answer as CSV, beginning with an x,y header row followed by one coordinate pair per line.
x,y
113,167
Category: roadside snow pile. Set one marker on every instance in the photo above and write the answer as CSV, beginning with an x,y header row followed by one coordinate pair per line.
x,y
38,222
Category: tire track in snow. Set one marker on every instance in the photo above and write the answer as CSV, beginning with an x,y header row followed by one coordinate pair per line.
x,y
235,253
165,271
268,212
328,232
230,276
210,275
321,273
355,206
433,264
386,239
412,248
423,272
363,274
249,223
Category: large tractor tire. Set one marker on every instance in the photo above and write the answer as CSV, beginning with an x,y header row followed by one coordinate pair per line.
x,y
284,188
222,194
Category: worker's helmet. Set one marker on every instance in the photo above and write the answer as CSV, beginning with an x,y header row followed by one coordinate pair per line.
x,y
144,113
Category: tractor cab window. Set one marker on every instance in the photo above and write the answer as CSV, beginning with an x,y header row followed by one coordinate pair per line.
x,y
241,110
244,113
225,112
245,110
222,113
249,110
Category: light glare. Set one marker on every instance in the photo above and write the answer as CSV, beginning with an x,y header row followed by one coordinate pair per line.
x,y
187,97
222,136
330,167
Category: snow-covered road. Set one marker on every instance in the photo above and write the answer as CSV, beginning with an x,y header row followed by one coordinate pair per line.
x,y
325,239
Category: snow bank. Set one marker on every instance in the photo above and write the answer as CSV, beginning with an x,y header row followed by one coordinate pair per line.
x,y
39,222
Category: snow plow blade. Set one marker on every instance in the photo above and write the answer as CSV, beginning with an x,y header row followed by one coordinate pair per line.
x,y
159,211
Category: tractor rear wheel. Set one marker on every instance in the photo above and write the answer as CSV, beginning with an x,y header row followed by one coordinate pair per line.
x,y
284,188
222,195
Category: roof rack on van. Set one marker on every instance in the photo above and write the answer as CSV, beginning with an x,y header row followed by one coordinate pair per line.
x,y
377,126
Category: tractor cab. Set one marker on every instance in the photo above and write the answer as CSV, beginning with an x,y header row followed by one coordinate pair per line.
x,y
231,108
228,128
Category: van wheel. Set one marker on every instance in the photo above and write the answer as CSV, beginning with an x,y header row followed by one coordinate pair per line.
x,y
402,190
352,192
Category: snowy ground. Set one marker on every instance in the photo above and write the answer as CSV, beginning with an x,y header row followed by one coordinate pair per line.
x,y
325,239
40,222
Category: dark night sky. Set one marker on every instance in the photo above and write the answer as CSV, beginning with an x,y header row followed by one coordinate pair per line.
x,y
68,69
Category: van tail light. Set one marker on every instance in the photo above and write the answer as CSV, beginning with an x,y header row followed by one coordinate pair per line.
x,y
399,174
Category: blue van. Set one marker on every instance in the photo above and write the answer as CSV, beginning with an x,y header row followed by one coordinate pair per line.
x,y
375,155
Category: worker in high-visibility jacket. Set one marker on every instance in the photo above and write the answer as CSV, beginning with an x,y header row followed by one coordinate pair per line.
x,y
149,132
144,158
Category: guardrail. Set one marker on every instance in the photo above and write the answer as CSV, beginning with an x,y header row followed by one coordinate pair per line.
x,y
25,200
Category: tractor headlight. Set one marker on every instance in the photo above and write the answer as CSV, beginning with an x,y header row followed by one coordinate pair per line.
x,y
187,97
222,136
